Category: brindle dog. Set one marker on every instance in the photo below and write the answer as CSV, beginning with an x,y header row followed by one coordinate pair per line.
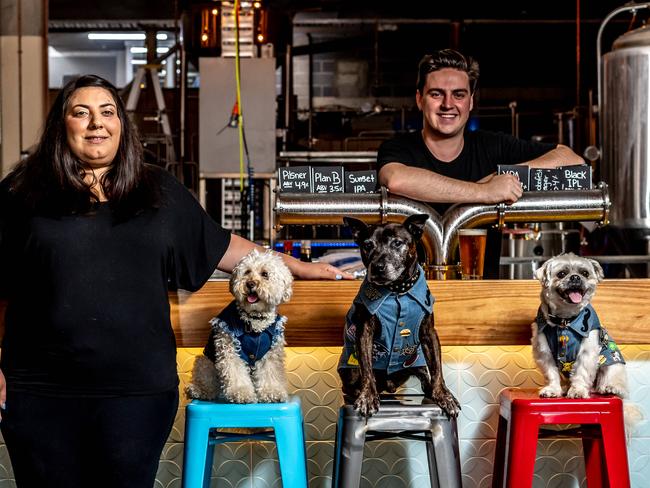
x,y
389,253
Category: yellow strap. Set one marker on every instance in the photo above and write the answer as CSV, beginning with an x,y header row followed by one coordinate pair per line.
x,y
240,117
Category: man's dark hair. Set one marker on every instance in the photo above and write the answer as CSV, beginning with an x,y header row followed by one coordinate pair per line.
x,y
52,178
448,58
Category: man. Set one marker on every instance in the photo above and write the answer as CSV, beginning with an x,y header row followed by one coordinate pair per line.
x,y
443,164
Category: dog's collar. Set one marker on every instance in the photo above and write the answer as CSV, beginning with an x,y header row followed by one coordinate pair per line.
x,y
258,317
560,321
404,286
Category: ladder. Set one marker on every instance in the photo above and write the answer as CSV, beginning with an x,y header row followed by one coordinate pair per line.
x,y
161,117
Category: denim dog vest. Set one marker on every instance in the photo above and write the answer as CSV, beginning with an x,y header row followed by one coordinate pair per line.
x,y
251,346
564,341
397,346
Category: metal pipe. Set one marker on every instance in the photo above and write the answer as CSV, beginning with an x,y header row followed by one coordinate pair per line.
x,y
440,234
372,208
542,206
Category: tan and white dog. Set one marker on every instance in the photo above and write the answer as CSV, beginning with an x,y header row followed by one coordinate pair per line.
x,y
571,348
243,360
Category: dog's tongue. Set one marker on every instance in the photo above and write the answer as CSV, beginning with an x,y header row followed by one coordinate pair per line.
x,y
575,296
252,298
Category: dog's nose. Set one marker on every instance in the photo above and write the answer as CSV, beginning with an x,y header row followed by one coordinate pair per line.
x,y
250,285
575,279
379,267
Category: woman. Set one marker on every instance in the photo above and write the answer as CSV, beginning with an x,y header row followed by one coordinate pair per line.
x,y
91,239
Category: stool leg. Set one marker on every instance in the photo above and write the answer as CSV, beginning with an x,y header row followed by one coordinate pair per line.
x,y
618,471
336,461
348,451
196,462
594,465
290,442
443,455
522,449
500,449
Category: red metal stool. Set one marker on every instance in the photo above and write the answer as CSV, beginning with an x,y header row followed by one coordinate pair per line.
x,y
601,427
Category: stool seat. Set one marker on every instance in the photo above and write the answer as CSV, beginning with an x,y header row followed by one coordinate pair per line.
x,y
203,420
403,416
521,414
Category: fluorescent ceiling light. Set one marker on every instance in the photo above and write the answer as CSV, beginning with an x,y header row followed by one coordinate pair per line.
x,y
122,36
143,50
138,61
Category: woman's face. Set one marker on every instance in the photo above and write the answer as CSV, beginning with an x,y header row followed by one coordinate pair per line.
x,y
93,127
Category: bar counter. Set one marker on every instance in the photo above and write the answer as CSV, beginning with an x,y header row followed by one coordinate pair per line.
x,y
485,330
482,312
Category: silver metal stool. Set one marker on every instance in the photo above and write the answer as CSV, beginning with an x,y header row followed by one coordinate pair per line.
x,y
403,416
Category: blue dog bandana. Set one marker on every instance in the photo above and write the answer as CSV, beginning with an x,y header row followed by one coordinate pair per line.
x,y
398,344
564,341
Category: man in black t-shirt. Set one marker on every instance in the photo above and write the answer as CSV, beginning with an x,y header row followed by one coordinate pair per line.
x,y
444,164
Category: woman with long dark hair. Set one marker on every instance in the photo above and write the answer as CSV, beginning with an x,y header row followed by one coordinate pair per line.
x,y
91,240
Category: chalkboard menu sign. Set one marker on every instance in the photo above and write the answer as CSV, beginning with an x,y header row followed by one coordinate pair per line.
x,y
563,178
521,172
295,179
576,177
545,179
360,181
327,179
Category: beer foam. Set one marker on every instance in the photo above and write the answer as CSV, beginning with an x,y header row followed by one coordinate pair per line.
x,y
472,232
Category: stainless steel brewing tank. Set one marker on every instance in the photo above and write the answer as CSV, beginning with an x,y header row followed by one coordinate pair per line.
x,y
625,122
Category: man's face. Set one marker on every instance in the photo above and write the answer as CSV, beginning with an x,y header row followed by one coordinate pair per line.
x,y
445,102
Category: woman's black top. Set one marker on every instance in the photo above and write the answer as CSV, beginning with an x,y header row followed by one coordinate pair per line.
x,y
88,309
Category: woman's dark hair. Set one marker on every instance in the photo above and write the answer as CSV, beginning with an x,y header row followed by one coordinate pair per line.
x,y
52,178
447,58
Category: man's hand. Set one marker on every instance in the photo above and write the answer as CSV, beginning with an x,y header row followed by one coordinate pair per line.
x,y
500,188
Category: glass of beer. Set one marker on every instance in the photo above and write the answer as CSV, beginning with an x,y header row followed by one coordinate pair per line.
x,y
472,252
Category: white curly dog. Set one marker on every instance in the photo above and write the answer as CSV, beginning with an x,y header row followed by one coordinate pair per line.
x,y
243,361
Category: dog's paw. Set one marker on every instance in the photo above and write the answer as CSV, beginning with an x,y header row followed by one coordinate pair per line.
x,y
367,404
241,397
550,391
612,390
449,405
273,397
578,391
446,401
240,392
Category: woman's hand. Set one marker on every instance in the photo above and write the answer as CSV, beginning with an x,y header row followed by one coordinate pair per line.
x,y
239,247
3,392
317,271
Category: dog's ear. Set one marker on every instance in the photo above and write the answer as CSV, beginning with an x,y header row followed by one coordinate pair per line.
x,y
358,227
414,224
287,283
600,274
543,273
282,276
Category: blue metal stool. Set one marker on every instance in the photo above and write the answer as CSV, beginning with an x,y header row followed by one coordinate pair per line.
x,y
203,419
403,416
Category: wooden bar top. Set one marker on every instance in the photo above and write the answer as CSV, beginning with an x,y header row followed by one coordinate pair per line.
x,y
482,312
